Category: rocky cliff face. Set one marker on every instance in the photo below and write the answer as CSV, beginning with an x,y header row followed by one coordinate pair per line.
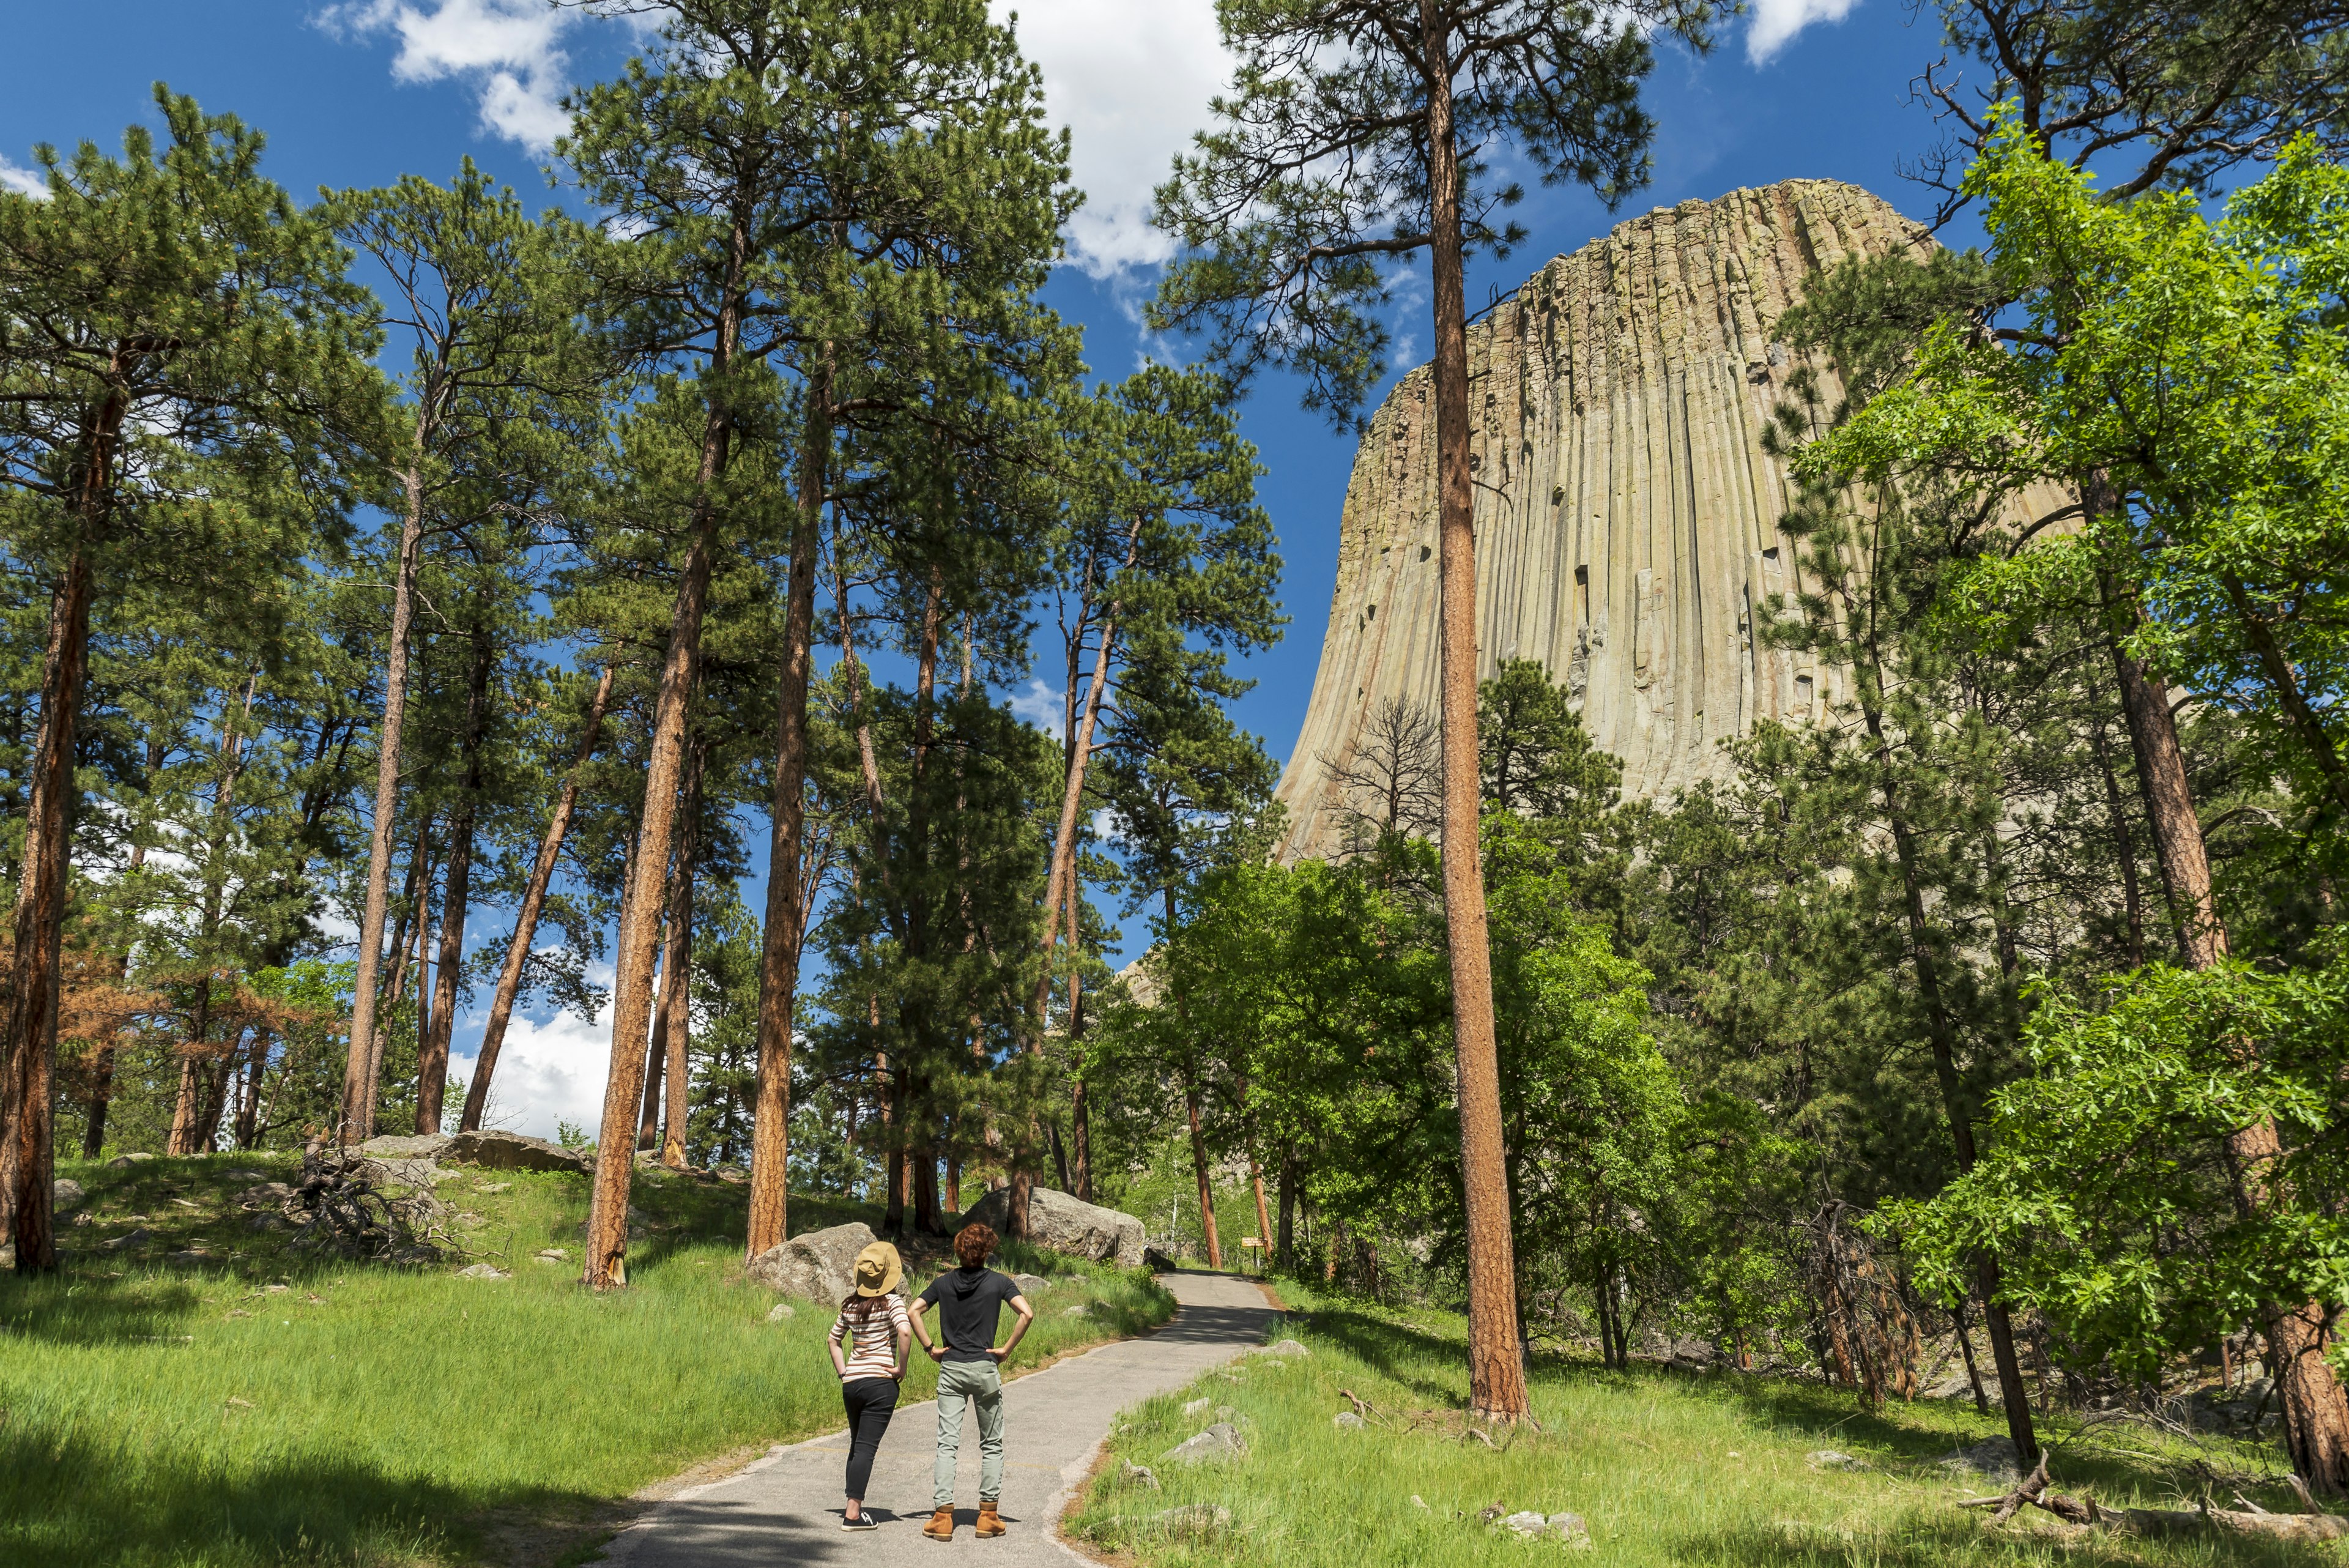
x,y
1626,514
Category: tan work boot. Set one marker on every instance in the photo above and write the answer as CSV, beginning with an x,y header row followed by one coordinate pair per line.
x,y
941,1525
990,1523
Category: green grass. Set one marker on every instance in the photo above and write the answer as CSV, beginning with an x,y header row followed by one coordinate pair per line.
x,y
266,1408
1666,1467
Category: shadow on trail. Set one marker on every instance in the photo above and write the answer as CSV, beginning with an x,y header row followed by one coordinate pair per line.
x,y
1199,1323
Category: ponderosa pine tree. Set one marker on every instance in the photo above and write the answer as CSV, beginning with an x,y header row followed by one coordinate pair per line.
x,y
1164,559
181,350
1364,130
815,172
2184,91
477,289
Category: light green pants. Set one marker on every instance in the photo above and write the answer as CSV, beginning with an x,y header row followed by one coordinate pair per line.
x,y
978,1384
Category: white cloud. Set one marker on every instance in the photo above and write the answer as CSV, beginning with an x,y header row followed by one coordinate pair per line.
x,y
1131,81
24,182
1776,23
1041,706
546,1072
509,51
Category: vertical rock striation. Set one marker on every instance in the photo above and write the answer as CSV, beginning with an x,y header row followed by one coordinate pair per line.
x,y
1626,514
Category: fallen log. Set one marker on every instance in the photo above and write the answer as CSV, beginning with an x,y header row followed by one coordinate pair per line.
x,y
2251,1519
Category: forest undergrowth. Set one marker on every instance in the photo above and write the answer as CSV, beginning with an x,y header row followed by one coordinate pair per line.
x,y
255,1406
1664,1467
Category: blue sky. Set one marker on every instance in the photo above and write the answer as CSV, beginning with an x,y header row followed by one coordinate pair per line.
x,y
360,92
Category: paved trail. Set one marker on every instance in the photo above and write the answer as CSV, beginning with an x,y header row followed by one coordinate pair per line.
x,y
786,1508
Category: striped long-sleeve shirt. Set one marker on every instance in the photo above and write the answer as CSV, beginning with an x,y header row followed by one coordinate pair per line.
x,y
871,1350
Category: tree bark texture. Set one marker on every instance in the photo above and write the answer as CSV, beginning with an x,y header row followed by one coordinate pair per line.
x,y
432,1050
533,899
675,1026
1263,1214
1496,1371
2123,848
785,926
365,1053
27,1131
1954,1102
632,998
2316,1415
1199,1167
656,1057
1080,1125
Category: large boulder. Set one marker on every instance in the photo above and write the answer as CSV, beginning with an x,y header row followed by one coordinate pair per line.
x,y
818,1265
1067,1224
511,1151
393,1147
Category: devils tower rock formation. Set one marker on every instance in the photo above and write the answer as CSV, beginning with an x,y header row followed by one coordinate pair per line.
x,y
1626,514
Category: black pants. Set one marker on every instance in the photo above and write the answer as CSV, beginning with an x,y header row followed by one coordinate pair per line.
x,y
870,1402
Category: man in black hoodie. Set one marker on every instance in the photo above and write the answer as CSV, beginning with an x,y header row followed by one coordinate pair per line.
x,y
971,1302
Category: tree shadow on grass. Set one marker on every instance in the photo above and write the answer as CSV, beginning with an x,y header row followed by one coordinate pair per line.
x,y
1943,1541
1398,1352
62,1309
1923,1433
66,1499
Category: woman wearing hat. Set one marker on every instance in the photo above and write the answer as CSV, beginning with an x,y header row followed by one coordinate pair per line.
x,y
874,1327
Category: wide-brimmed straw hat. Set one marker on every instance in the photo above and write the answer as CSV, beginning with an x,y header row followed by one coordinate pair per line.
x,y
878,1270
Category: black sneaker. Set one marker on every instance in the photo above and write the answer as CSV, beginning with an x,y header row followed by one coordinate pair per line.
x,y
864,1520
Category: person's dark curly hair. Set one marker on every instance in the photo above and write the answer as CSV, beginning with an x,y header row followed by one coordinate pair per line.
x,y
973,1243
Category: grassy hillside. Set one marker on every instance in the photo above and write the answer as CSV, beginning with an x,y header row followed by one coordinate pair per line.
x,y
253,1406
1666,1467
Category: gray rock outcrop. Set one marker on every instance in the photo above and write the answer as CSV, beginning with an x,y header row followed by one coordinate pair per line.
x,y
511,1151
1626,516
819,1264
1067,1224
391,1146
67,1195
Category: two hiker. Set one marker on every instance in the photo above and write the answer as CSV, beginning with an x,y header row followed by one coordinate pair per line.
x,y
874,1327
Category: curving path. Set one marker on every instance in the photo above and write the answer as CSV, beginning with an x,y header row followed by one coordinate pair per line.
x,y
785,1508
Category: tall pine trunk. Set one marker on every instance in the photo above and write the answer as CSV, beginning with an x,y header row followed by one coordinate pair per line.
x,y
1080,1133
432,1051
533,899
27,1131
676,1023
1497,1384
1954,1103
785,927
1077,755
655,1051
1199,1169
639,936
2124,847
2316,1415
361,1070
640,910
101,1097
